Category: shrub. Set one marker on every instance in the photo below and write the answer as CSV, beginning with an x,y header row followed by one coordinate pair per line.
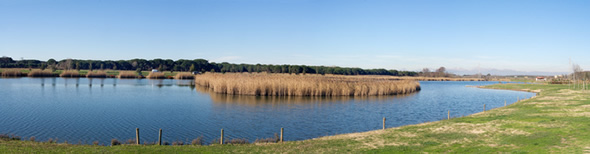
x,y
7,137
177,143
32,138
115,142
274,139
197,141
95,143
237,141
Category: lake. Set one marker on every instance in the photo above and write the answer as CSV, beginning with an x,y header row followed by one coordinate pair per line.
x,y
81,110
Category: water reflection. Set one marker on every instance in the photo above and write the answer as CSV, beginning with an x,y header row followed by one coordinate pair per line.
x,y
28,109
254,101
90,82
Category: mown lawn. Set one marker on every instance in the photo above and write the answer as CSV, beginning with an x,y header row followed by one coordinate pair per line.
x,y
556,121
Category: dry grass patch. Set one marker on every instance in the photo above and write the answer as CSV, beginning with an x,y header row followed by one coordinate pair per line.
x,y
96,75
263,84
70,74
39,73
128,75
156,75
181,76
12,73
577,114
488,128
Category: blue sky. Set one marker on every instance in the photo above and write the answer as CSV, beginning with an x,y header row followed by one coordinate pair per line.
x,y
520,35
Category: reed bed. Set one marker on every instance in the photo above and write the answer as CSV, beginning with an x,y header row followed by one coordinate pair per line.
x,y
156,75
96,75
70,74
39,73
12,73
128,75
263,84
181,76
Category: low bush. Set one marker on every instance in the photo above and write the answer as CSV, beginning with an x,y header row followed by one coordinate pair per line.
x,y
115,142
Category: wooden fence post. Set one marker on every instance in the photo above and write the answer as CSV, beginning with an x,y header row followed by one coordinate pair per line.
x,y
504,102
518,98
221,141
137,136
449,115
160,137
484,107
282,134
383,122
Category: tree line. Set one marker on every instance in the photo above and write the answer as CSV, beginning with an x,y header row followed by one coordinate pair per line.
x,y
200,65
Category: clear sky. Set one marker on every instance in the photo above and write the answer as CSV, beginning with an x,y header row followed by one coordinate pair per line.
x,y
522,35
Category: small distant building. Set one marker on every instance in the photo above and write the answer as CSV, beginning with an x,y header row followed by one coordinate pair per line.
x,y
155,70
196,72
540,78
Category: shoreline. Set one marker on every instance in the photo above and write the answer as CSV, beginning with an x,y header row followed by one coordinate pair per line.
x,y
425,123
417,124
502,129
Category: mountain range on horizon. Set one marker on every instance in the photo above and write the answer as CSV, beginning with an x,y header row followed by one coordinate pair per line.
x,y
502,72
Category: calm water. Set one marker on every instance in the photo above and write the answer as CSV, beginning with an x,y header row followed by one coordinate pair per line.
x,y
86,110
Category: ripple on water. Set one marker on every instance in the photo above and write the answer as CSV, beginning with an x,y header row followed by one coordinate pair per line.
x,y
87,113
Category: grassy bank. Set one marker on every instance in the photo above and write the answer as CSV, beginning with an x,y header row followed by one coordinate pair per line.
x,y
556,121
264,84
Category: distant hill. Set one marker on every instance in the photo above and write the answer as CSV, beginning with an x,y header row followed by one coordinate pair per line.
x,y
502,72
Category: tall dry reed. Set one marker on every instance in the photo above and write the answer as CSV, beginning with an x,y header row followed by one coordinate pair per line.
x,y
263,84
70,74
181,76
96,75
12,73
156,75
123,75
39,73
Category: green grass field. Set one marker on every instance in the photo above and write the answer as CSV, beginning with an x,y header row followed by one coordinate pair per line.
x,y
556,121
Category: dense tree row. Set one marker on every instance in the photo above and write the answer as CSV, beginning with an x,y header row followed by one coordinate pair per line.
x,y
201,65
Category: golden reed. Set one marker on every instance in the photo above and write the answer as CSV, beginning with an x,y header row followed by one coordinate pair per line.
x,y
156,75
39,73
12,73
96,74
70,74
127,75
264,84
181,76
